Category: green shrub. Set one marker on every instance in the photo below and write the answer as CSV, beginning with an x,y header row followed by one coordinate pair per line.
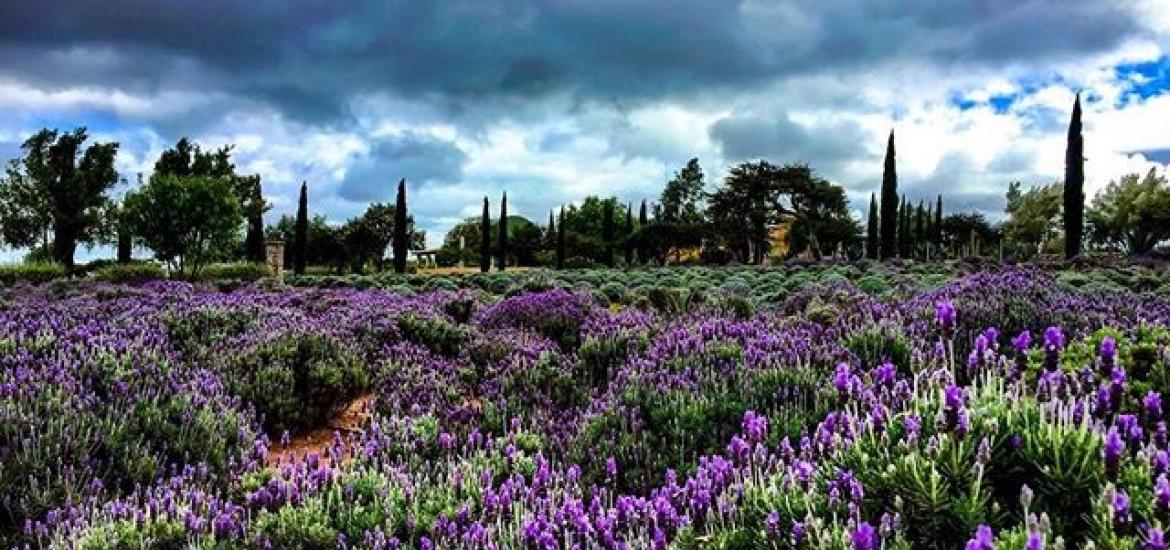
x,y
873,284
437,335
460,309
199,329
236,271
134,272
35,273
303,527
297,380
614,292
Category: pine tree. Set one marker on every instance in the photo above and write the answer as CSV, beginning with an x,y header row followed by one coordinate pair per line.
x,y
561,239
401,239
889,206
301,231
872,240
1074,183
607,232
643,221
502,253
485,239
629,232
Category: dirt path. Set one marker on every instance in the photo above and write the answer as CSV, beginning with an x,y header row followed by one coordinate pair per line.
x,y
350,420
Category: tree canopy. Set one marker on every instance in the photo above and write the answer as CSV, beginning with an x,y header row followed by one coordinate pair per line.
x,y
57,195
1132,213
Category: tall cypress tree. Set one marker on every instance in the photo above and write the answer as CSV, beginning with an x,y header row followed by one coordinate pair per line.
x,y
502,257
550,238
643,221
903,229
254,210
920,228
561,239
1074,183
485,239
872,239
607,232
938,218
401,237
301,231
889,206
629,232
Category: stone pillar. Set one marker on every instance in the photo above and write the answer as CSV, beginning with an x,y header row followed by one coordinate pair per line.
x,y
274,254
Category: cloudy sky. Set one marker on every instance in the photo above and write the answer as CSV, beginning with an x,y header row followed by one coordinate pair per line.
x,y
553,100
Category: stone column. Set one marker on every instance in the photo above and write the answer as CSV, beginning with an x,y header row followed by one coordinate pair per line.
x,y
274,253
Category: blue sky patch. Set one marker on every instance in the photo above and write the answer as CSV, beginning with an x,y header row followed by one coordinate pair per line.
x,y
1143,80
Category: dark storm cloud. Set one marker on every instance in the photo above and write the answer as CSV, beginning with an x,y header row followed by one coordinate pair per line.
x,y
310,57
752,136
421,158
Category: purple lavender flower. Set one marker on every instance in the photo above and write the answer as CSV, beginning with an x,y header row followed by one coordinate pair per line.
x,y
772,524
1053,339
1022,342
1120,508
983,540
944,312
1155,540
1153,406
1035,542
864,537
1108,351
1114,446
1162,495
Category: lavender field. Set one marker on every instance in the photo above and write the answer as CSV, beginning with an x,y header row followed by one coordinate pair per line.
x,y
701,408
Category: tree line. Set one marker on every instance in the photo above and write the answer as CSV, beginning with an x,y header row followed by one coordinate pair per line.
x,y
196,208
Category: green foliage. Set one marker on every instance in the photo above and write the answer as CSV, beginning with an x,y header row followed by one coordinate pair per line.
x,y
134,272
1132,213
1033,217
437,335
183,219
237,271
34,273
297,380
304,527
57,189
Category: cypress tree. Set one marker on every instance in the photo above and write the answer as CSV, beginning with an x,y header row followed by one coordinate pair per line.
x,y
1074,183
938,217
485,239
920,228
889,206
872,239
301,231
903,229
550,238
254,237
502,258
607,232
401,238
643,221
629,232
561,239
